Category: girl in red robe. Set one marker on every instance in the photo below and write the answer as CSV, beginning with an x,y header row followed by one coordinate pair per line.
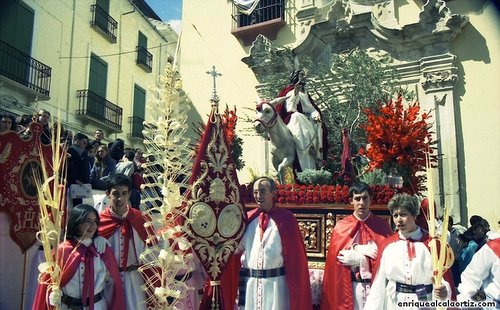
x,y
89,280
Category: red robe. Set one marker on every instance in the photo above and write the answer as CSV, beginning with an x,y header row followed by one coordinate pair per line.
x,y
294,256
495,246
425,239
70,260
337,286
110,223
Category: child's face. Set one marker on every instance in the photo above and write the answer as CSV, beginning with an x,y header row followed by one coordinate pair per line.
x,y
88,228
119,198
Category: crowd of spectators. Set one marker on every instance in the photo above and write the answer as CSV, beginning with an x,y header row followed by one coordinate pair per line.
x,y
90,160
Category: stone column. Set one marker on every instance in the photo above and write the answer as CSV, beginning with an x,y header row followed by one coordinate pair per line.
x,y
438,81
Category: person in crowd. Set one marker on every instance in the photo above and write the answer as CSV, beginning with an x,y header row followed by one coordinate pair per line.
x,y
454,232
482,276
274,271
67,139
126,165
98,137
117,149
104,166
124,228
43,117
7,122
89,275
468,248
78,163
352,251
403,271
298,111
23,122
138,159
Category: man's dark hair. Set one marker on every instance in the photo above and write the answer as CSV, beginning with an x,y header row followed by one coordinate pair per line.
x,y
77,215
79,136
117,180
358,188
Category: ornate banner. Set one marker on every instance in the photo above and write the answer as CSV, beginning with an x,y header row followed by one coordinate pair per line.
x,y
215,212
18,192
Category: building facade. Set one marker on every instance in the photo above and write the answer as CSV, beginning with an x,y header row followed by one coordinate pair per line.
x,y
446,51
90,62
91,65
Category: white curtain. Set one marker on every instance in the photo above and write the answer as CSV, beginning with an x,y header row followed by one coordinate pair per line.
x,y
246,6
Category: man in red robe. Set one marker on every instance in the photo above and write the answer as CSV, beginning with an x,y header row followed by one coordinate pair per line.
x,y
274,272
124,228
353,249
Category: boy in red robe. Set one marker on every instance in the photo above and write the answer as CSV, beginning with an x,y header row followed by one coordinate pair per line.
x,y
353,249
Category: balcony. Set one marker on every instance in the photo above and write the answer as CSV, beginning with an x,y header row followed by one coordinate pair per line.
x,y
144,59
21,70
97,109
104,23
136,127
267,19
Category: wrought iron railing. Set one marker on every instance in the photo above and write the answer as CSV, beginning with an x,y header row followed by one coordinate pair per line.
x,y
136,126
144,58
23,69
266,10
104,22
97,108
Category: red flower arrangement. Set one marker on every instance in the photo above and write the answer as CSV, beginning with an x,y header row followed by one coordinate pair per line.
x,y
229,120
319,194
399,140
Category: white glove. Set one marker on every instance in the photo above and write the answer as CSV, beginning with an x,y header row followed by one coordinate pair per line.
x,y
55,297
100,244
370,249
350,257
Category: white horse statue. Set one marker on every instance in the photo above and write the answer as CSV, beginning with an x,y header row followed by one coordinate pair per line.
x,y
282,142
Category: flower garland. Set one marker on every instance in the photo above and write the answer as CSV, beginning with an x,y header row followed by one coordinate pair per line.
x,y
320,194
398,140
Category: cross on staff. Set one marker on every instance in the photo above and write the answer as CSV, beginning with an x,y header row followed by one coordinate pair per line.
x,y
214,75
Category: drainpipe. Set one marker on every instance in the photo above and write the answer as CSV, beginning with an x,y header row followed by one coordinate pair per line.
x,y
124,122
70,98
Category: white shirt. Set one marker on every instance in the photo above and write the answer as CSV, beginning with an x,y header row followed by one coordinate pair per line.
x,y
483,271
396,266
264,293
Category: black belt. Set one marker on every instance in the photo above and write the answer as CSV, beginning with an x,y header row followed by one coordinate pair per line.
x,y
76,303
357,278
408,288
262,273
129,268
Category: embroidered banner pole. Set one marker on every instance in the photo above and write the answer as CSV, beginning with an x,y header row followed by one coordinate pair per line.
x,y
215,212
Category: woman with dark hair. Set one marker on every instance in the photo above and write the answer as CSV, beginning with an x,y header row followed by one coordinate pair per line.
x,y
89,280
43,117
7,122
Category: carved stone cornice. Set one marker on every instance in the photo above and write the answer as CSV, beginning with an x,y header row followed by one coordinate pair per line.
x,y
439,72
439,79
343,29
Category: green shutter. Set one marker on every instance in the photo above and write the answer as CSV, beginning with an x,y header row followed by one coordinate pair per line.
x,y
103,4
98,79
142,42
139,101
16,25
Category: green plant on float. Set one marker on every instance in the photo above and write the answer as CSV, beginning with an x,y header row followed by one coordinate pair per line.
x,y
315,177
